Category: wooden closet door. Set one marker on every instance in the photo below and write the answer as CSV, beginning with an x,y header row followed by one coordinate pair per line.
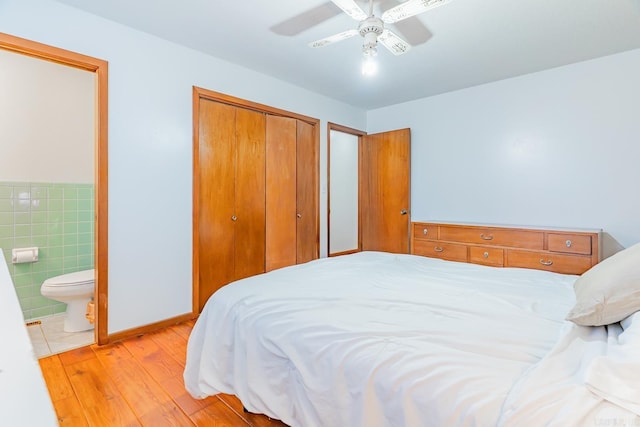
x,y
280,192
216,150
249,193
307,159
386,175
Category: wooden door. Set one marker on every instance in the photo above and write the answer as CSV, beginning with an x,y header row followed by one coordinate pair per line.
x,y
385,191
307,159
249,212
280,192
217,154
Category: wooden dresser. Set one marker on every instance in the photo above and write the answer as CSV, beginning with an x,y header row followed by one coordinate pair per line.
x,y
567,251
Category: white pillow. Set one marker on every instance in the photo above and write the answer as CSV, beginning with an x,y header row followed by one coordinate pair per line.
x,y
609,291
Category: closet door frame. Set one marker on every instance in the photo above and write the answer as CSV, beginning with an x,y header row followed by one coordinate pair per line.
x,y
201,93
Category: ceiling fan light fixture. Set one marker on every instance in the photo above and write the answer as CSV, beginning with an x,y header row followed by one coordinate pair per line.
x,y
370,45
369,66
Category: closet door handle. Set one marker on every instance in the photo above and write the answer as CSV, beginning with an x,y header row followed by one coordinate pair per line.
x,y
299,215
403,212
234,218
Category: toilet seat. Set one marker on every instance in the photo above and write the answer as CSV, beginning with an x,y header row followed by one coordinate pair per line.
x,y
77,278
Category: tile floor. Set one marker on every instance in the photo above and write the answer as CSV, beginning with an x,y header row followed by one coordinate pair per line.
x,y
49,337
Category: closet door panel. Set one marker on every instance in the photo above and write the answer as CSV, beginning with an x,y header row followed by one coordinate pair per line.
x,y
307,159
250,193
216,197
280,192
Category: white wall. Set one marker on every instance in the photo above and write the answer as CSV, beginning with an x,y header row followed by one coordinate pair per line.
x,y
150,146
47,113
555,148
343,192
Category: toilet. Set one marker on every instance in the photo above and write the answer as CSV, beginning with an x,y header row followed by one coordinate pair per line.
x,y
76,290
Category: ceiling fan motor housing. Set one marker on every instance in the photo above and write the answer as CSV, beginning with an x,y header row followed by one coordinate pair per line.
x,y
370,29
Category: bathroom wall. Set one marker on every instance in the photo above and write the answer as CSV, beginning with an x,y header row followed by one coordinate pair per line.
x,y
47,121
57,218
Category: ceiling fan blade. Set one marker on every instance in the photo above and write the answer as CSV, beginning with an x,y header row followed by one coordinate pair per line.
x,y
395,44
351,8
409,9
305,20
334,38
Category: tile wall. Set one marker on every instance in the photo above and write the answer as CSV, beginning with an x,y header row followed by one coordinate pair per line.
x,y
59,220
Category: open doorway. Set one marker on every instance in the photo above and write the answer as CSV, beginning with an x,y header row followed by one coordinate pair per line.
x,y
344,187
99,68
369,190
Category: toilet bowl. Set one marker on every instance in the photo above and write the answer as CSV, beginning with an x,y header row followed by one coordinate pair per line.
x,y
76,290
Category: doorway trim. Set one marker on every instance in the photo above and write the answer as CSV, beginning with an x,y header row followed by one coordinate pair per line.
x,y
100,68
360,134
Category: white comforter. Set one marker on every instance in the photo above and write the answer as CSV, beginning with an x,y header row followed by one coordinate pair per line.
x,y
376,339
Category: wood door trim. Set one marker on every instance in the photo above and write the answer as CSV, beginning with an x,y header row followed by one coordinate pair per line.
x,y
201,93
100,68
239,102
344,129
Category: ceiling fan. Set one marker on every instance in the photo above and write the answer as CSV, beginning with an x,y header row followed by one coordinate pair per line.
x,y
372,28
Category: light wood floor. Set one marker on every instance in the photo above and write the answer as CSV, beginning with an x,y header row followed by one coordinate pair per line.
x,y
136,382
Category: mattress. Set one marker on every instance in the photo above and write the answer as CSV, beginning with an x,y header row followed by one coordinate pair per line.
x,y
378,339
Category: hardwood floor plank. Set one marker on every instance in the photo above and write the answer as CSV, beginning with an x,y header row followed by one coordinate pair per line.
x,y
78,355
98,395
116,351
258,420
106,416
149,401
169,416
137,382
137,387
173,343
157,361
56,378
69,412
217,414
184,329
175,388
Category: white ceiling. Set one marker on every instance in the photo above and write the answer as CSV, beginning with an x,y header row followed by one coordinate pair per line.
x,y
460,44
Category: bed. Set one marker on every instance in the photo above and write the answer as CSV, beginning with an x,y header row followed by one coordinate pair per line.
x,y
378,339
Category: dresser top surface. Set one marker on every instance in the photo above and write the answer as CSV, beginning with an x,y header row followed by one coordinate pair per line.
x,y
509,226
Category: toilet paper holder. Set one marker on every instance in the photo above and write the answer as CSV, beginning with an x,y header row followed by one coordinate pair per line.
x,y
20,255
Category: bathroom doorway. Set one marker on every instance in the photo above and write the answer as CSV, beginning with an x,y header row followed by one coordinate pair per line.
x,y
99,68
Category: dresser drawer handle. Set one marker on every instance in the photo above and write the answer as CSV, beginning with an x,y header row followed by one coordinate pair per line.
x,y
488,237
425,231
438,249
486,254
568,243
543,262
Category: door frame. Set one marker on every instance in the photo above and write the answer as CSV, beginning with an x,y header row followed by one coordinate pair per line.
x,y
100,68
201,93
360,134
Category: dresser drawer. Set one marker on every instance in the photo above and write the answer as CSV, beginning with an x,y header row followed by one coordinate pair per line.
x,y
486,256
569,243
493,236
436,249
425,231
560,263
